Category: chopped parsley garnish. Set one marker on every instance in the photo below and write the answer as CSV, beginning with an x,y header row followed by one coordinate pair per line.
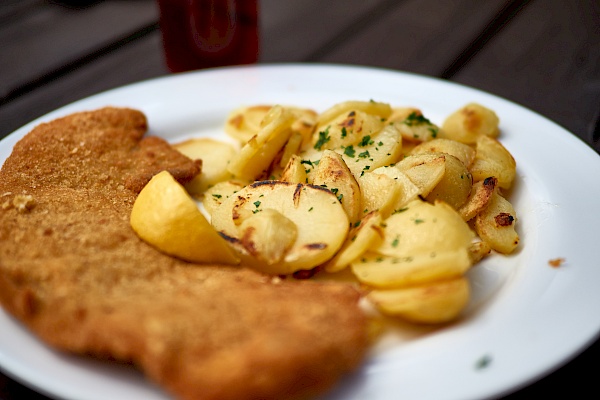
x,y
365,141
257,204
415,118
364,154
349,151
323,138
217,196
344,132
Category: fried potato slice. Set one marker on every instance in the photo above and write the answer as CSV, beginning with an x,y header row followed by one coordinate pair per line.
x,y
258,153
322,224
424,170
456,183
367,234
433,303
496,225
422,228
493,159
333,174
421,268
215,155
470,122
464,152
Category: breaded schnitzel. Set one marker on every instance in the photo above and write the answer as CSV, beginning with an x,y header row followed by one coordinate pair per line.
x,y
74,272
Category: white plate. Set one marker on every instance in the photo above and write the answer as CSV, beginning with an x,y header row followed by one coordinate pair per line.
x,y
526,318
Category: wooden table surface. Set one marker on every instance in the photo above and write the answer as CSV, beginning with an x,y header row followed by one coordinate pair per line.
x,y
544,55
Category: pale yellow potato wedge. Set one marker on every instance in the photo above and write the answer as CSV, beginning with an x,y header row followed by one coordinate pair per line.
x,y
470,122
422,228
434,303
456,183
333,174
496,225
360,239
165,216
395,272
464,152
424,170
257,155
322,223
493,159
215,156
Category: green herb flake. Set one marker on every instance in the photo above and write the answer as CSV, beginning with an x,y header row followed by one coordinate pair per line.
x,y
256,204
323,138
483,362
415,118
349,151
364,154
344,132
366,140
395,242
217,196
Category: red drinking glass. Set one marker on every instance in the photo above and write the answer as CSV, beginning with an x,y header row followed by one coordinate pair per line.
x,y
208,33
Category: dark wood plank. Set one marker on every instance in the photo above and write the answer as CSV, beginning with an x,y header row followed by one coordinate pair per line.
x,y
40,42
293,30
546,59
421,36
132,62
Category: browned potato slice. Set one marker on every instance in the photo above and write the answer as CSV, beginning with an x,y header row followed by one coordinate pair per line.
x,y
424,170
479,198
256,156
215,156
333,174
492,159
381,110
322,224
496,225
464,152
470,122
245,122
433,303
455,185
359,240
394,272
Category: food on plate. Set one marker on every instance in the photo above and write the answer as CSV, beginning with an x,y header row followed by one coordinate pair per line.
x,y
215,155
408,206
76,274
321,224
165,216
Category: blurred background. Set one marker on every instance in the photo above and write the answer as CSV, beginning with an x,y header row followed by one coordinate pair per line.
x,y
543,54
